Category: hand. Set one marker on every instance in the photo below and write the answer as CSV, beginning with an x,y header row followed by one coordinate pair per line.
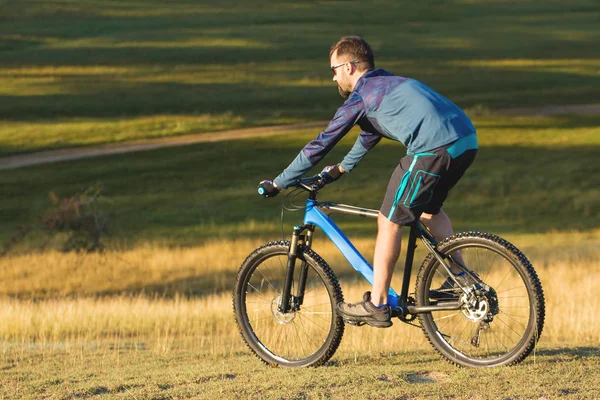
x,y
268,189
331,173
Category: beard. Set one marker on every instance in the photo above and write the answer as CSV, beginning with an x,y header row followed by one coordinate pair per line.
x,y
343,93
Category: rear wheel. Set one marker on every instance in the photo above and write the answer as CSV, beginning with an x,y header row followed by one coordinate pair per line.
x,y
309,334
500,323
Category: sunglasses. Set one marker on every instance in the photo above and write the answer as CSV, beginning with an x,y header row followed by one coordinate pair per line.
x,y
339,65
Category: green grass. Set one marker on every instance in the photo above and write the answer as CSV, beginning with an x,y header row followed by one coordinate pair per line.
x,y
532,175
107,70
82,72
128,371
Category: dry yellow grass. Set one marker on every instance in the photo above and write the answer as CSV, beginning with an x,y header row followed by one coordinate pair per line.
x,y
158,298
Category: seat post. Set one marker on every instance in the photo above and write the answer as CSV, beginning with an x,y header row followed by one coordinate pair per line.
x,y
410,254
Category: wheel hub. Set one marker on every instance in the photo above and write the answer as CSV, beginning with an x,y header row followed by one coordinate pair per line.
x,y
475,312
281,318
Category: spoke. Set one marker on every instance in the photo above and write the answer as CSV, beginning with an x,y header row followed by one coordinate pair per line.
x,y
258,292
437,270
263,318
463,329
267,279
301,342
510,268
455,325
507,290
513,315
446,322
478,257
303,318
510,327
447,316
316,305
518,322
490,267
497,339
306,334
283,267
317,286
278,338
504,332
315,295
458,338
261,308
316,313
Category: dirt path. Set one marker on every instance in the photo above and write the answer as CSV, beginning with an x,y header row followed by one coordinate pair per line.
x,y
75,153
52,156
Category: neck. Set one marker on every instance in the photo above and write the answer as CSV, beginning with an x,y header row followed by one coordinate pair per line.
x,y
355,77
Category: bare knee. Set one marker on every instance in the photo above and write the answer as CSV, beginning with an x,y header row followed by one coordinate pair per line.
x,y
386,225
425,218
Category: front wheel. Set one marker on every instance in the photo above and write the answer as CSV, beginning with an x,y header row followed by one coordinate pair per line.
x,y
501,321
307,335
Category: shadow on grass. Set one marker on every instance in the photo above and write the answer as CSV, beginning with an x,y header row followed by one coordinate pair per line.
x,y
570,352
189,195
234,37
93,96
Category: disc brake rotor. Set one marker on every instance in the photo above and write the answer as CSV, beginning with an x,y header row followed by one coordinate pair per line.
x,y
476,312
278,315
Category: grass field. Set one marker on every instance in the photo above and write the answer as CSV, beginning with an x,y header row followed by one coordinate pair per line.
x,y
532,175
108,70
151,317
157,323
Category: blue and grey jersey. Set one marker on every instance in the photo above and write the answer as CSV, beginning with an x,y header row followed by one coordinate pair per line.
x,y
384,105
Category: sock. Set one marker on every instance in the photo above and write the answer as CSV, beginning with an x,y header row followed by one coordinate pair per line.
x,y
381,305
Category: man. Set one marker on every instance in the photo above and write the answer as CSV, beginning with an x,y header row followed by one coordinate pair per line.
x,y
441,144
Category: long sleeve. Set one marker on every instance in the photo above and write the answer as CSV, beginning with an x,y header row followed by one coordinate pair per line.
x,y
345,118
365,142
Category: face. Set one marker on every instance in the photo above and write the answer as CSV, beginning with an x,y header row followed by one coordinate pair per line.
x,y
341,75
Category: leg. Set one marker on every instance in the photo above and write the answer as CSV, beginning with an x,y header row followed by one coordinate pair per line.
x,y
373,310
387,250
439,224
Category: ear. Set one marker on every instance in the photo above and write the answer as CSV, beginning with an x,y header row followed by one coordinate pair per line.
x,y
351,68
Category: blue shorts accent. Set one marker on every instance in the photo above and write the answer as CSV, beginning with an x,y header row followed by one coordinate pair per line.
x,y
422,181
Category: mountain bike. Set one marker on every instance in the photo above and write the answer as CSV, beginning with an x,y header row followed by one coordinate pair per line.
x,y
285,295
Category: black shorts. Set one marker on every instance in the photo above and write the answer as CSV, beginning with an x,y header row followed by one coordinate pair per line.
x,y
421,183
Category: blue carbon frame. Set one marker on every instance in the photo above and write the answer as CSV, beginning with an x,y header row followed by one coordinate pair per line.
x,y
314,216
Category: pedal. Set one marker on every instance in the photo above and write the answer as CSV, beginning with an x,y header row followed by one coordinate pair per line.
x,y
354,322
397,312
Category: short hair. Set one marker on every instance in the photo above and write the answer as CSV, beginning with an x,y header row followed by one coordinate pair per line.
x,y
356,48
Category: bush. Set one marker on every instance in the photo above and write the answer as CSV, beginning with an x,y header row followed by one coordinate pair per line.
x,y
78,221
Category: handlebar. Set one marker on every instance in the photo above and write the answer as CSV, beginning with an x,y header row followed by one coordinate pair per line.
x,y
311,184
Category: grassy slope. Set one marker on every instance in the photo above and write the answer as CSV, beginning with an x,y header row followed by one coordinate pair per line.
x,y
532,175
153,342
107,71
113,70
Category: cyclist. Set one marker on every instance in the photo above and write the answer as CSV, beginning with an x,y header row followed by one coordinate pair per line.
x,y
441,144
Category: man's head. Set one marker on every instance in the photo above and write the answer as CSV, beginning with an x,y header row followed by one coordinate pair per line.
x,y
349,59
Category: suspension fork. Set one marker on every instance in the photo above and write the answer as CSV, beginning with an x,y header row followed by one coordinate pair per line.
x,y
304,266
287,295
